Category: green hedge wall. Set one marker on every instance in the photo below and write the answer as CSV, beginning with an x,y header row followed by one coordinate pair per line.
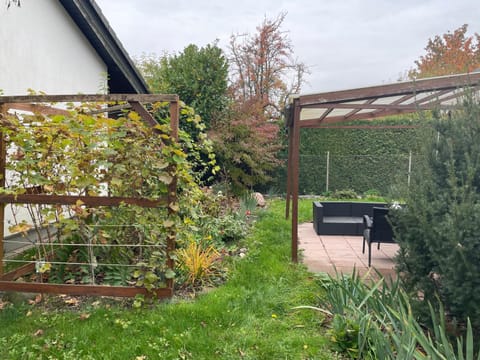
x,y
360,159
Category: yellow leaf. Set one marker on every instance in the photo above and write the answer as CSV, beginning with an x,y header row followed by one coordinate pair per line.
x,y
132,115
22,227
84,316
48,188
45,267
174,206
168,223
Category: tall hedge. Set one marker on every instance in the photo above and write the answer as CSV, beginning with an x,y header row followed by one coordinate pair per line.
x,y
359,159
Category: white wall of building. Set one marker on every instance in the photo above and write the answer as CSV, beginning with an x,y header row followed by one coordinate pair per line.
x,y
41,48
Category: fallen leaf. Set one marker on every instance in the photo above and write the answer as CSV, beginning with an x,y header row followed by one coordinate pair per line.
x,y
72,301
37,300
84,316
39,332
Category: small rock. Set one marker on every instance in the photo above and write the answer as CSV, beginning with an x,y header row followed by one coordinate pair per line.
x,y
260,199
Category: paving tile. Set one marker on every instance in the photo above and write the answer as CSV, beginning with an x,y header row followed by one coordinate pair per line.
x,y
326,253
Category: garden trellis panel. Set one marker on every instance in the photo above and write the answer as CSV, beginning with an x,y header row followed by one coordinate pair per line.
x,y
121,104
331,109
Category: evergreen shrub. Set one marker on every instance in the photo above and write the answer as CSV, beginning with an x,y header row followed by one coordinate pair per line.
x,y
439,230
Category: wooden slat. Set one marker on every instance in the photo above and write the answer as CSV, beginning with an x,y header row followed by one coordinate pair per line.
x,y
95,290
366,127
140,110
399,107
47,110
18,272
72,200
353,112
110,109
311,123
145,98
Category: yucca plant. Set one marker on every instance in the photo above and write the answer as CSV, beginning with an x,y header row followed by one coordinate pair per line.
x,y
199,263
381,316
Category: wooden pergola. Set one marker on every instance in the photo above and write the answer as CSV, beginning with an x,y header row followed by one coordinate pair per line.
x,y
331,109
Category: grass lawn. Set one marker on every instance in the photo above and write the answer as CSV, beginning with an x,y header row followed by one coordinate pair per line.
x,y
249,317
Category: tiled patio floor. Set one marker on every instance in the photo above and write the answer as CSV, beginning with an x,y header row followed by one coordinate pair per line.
x,y
326,253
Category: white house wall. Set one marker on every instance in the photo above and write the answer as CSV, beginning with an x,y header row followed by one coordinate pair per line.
x,y
43,49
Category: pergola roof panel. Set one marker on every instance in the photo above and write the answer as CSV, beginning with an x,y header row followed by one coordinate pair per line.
x,y
442,92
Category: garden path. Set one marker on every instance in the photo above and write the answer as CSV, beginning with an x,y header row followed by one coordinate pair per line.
x,y
325,253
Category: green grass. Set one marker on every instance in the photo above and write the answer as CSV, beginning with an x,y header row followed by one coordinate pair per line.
x,y
249,317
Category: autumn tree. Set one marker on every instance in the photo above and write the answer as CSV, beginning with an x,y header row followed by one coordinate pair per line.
x,y
263,68
246,147
451,53
263,73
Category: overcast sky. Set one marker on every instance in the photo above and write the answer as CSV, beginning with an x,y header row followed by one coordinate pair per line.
x,y
345,43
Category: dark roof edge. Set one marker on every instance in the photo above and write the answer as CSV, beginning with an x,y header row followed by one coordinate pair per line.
x,y
124,76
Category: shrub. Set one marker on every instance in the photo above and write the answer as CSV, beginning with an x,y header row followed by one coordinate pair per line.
x,y
199,263
438,232
345,194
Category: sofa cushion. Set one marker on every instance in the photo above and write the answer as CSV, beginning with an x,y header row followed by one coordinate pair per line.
x,y
336,208
362,208
343,219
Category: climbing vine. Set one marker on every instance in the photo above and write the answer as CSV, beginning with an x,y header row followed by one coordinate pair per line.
x,y
85,152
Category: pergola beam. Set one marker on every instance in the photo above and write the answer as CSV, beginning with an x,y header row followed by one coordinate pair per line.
x,y
396,89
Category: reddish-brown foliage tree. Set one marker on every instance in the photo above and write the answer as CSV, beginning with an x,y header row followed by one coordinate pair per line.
x,y
246,146
263,74
263,69
451,53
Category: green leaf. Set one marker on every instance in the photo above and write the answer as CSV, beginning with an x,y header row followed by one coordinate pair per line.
x,y
150,277
161,165
116,182
178,159
169,274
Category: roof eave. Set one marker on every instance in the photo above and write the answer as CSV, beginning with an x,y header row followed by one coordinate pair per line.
x,y
123,75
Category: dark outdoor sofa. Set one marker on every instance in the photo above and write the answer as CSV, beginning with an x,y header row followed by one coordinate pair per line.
x,y
341,217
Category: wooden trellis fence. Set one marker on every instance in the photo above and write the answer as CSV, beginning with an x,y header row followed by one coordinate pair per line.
x,y
42,104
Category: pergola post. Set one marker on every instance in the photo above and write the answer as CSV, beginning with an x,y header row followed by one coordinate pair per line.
x,y
289,172
294,169
172,190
